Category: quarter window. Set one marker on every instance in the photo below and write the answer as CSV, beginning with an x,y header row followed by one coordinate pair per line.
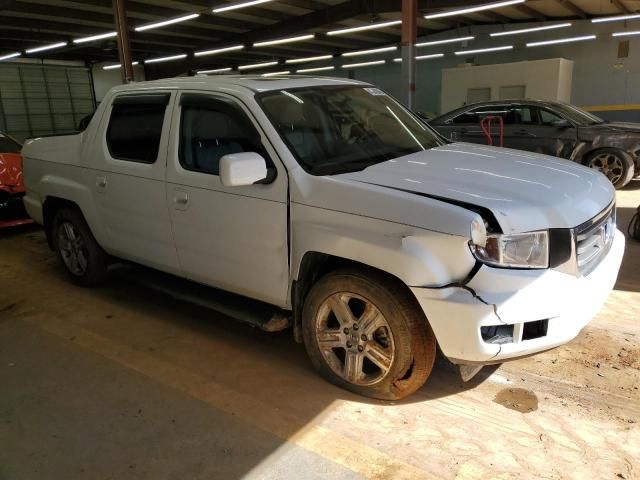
x,y
135,127
547,117
211,128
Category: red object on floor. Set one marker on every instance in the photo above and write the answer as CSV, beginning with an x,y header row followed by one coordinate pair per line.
x,y
486,124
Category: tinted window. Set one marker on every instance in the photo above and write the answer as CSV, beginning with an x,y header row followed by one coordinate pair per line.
x,y
335,129
7,145
477,114
547,117
212,128
520,115
135,127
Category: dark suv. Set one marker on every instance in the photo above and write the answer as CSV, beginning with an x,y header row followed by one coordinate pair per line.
x,y
553,128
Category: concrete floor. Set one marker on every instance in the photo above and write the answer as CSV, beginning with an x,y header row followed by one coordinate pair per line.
x,y
121,382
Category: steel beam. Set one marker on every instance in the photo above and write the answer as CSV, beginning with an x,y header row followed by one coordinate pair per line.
x,y
124,47
409,37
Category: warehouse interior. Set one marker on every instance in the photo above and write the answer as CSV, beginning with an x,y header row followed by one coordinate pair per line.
x,y
145,378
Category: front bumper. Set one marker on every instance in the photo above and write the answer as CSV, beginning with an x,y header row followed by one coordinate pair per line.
x,y
517,300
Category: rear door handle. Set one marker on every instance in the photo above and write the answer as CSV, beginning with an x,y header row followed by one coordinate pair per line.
x,y
101,183
181,199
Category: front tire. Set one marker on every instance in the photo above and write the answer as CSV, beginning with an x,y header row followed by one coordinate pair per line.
x,y
83,259
365,332
617,165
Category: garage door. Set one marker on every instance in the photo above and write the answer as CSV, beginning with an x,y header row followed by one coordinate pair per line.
x,y
42,100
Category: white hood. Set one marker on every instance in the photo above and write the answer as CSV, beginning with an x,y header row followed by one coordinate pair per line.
x,y
525,191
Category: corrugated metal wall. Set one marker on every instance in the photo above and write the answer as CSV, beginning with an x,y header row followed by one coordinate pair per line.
x,y
43,99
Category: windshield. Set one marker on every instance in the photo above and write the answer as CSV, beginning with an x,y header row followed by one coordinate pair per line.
x,y
8,145
337,129
577,115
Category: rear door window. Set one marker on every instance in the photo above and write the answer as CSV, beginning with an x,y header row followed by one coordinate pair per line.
x,y
135,127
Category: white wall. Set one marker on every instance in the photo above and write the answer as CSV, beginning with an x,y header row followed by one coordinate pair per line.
x,y
104,80
543,80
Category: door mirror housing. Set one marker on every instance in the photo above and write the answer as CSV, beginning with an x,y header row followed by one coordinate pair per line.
x,y
242,169
561,124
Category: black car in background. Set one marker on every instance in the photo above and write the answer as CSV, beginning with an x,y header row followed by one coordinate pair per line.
x,y
553,128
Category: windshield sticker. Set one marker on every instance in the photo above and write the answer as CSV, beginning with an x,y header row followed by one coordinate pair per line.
x,y
375,91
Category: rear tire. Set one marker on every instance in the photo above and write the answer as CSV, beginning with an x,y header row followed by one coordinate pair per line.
x,y
84,260
617,165
365,332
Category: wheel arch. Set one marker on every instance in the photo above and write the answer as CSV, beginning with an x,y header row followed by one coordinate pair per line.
x,y
315,265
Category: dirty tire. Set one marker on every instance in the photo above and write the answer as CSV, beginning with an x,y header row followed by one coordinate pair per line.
x,y
411,339
92,270
616,164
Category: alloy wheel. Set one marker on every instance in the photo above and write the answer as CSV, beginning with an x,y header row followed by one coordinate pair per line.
x,y
354,338
609,164
72,249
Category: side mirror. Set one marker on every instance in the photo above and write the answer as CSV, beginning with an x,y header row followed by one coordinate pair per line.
x,y
561,124
242,169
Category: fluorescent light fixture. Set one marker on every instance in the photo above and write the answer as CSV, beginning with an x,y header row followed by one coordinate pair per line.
x,y
309,59
215,51
562,40
364,64
530,30
257,65
171,21
11,55
422,57
46,47
617,34
477,8
369,52
95,37
616,18
299,38
365,27
484,50
316,69
166,59
215,70
448,40
273,74
113,67
235,6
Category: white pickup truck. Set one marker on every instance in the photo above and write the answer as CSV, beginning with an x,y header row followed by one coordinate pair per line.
x,y
328,201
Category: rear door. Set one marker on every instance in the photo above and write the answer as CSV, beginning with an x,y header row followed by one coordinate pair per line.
x,y
126,175
234,238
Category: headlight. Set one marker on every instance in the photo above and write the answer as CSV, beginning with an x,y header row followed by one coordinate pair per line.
x,y
520,250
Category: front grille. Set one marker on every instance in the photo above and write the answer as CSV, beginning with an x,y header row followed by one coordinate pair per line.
x,y
594,238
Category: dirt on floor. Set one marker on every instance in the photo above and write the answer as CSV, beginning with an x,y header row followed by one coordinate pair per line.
x,y
572,412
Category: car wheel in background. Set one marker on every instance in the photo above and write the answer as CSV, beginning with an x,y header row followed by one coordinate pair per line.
x,y
366,333
617,165
84,260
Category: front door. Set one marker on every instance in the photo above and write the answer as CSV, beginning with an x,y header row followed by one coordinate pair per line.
x,y
233,238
